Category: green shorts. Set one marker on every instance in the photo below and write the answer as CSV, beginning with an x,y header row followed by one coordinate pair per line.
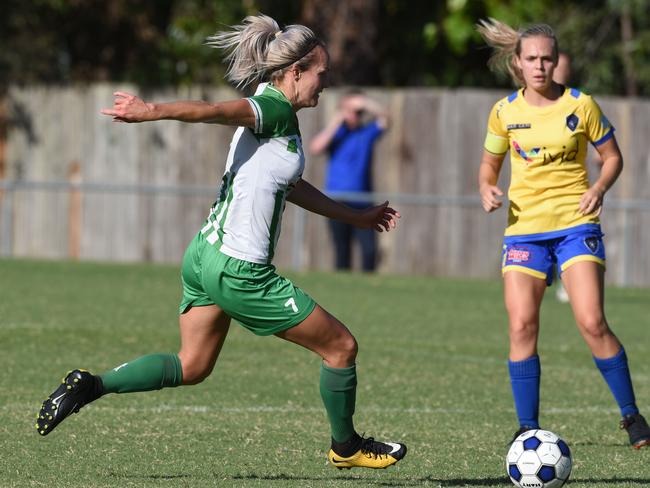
x,y
253,294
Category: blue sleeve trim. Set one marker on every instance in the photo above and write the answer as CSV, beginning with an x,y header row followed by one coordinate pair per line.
x,y
512,96
258,115
605,138
376,131
574,93
337,137
340,132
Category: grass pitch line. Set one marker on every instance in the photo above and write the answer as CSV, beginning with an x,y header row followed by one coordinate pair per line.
x,y
203,409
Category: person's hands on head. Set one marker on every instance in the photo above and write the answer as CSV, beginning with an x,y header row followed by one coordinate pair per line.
x,y
129,108
355,103
351,109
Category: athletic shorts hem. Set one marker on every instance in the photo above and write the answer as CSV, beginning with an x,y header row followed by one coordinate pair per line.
x,y
525,270
295,320
585,257
199,302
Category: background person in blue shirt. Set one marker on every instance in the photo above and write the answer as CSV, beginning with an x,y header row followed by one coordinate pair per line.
x,y
349,140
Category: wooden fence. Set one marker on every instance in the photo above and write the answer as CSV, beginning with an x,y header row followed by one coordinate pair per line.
x,y
432,149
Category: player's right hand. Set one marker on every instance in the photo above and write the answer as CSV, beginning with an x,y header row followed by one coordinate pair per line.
x,y
129,108
490,197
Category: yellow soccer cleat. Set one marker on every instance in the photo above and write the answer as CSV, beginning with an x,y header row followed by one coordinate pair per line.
x,y
370,454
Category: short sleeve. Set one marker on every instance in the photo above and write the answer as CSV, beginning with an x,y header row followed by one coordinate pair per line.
x,y
598,127
340,133
496,139
375,130
273,117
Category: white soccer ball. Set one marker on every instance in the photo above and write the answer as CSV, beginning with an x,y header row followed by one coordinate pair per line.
x,y
538,459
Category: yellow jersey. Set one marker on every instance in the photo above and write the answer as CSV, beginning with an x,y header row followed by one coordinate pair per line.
x,y
548,146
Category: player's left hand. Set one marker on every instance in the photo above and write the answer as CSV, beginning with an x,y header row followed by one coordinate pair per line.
x,y
591,201
380,217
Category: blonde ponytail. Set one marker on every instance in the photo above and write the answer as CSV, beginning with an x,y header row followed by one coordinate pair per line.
x,y
259,50
506,43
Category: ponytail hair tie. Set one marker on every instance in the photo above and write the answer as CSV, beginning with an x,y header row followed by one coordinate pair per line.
x,y
282,30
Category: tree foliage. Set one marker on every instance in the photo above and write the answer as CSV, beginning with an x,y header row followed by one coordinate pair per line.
x,y
371,42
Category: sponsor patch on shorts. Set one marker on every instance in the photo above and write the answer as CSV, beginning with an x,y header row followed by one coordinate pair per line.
x,y
518,255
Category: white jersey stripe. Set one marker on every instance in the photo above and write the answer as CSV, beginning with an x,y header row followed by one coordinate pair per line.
x,y
206,227
258,115
212,237
262,165
272,88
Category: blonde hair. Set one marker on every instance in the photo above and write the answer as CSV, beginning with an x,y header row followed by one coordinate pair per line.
x,y
259,50
506,43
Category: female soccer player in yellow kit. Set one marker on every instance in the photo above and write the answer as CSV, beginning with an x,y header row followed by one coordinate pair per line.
x,y
553,215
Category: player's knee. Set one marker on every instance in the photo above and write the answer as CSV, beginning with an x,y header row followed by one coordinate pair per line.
x,y
523,328
593,325
195,370
350,347
343,352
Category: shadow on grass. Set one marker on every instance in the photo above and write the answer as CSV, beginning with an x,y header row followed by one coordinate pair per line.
x,y
454,482
602,444
153,476
407,481
500,481
611,481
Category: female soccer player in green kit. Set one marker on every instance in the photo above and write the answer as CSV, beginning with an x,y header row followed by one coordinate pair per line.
x,y
227,271
553,215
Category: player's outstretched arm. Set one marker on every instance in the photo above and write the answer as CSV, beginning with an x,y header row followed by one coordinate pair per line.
x,y
131,108
380,217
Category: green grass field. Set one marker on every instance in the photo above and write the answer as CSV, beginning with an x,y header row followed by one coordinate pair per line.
x,y
432,373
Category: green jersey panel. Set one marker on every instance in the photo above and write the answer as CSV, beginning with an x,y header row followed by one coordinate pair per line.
x,y
274,116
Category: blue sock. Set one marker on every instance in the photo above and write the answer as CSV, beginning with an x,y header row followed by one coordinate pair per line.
x,y
617,375
525,379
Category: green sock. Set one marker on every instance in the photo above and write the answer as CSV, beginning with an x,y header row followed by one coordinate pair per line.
x,y
151,372
338,389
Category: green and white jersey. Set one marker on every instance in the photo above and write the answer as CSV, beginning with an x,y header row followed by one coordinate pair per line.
x,y
263,165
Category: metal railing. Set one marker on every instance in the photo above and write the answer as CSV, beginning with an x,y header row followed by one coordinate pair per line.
x,y
9,187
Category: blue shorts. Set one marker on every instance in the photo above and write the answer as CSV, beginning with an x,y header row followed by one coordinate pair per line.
x,y
538,257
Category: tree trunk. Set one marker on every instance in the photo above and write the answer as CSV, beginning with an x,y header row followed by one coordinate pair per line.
x,y
627,35
350,29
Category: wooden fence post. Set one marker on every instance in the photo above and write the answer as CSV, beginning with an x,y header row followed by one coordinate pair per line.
x,y
74,211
